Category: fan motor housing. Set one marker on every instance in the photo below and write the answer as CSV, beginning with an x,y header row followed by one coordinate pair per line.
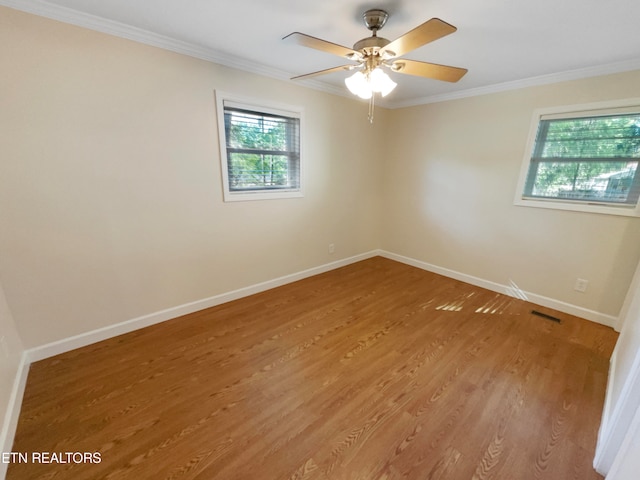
x,y
375,18
371,44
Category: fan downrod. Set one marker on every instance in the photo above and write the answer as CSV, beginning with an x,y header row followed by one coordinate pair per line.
x,y
374,20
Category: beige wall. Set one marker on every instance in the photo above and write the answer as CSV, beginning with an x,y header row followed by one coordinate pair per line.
x,y
110,193
111,203
450,176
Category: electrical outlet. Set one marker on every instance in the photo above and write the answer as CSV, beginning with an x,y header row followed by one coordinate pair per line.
x,y
332,248
581,285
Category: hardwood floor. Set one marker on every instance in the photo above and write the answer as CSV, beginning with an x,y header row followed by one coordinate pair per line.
x,y
376,370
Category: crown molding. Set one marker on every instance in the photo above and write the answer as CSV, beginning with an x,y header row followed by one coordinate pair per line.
x,y
67,15
46,9
569,75
74,17
118,29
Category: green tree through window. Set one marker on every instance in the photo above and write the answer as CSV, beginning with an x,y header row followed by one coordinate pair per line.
x,y
263,151
592,159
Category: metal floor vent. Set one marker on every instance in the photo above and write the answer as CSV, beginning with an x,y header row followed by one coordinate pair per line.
x,y
544,315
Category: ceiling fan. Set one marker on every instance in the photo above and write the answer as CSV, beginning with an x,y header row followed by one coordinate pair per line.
x,y
372,54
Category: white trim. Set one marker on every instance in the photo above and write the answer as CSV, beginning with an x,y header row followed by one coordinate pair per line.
x,y
87,338
611,438
608,400
626,449
630,300
598,317
77,341
10,422
616,417
146,37
35,354
259,105
578,74
553,204
118,29
571,111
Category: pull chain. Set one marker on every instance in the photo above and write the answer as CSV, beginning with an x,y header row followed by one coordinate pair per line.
x,y
371,106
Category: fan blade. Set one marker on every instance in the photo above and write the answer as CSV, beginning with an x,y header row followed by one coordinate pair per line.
x,y
323,72
427,32
429,70
322,45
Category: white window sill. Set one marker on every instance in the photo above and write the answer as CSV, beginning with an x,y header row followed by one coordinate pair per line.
x,y
576,206
258,195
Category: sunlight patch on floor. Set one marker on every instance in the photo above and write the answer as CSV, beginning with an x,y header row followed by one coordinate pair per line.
x,y
455,305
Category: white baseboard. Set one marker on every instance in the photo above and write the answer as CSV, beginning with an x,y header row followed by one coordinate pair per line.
x,y
87,338
12,413
511,290
10,421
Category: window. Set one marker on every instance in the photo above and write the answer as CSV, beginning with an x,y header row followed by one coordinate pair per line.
x,y
259,149
585,160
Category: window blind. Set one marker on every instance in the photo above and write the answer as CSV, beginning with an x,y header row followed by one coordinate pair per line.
x,y
592,159
263,149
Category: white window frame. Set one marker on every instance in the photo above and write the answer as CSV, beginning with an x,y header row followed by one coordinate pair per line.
x,y
631,105
260,106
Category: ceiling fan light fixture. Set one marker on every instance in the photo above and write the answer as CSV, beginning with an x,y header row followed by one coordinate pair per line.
x,y
359,85
381,82
374,52
365,84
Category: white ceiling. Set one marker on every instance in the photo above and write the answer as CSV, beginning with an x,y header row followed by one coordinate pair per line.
x,y
504,44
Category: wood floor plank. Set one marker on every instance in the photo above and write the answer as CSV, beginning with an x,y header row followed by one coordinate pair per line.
x,y
377,370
